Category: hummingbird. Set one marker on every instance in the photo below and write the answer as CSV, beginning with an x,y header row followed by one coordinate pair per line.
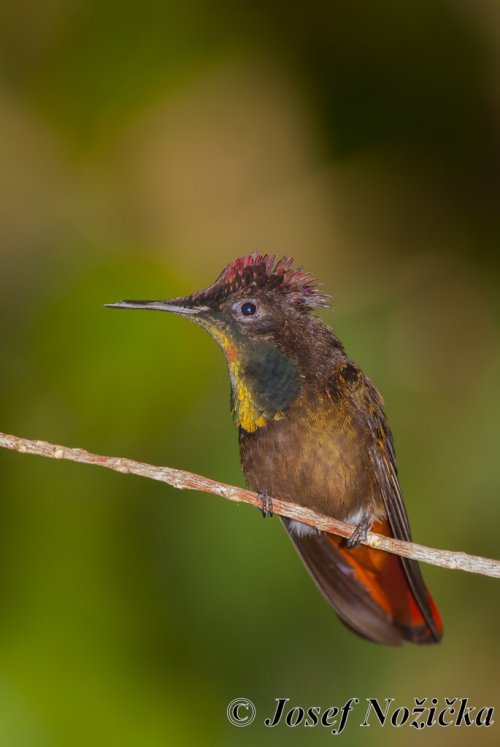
x,y
312,430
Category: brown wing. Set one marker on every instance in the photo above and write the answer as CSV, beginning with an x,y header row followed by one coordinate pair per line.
x,y
369,404
336,577
368,589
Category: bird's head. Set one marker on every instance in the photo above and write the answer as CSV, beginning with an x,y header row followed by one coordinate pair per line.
x,y
255,310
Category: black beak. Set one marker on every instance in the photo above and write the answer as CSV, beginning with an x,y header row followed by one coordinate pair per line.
x,y
174,307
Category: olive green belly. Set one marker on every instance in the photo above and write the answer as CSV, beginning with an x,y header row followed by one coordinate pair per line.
x,y
319,462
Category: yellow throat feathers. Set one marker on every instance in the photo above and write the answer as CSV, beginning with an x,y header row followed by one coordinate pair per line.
x,y
250,407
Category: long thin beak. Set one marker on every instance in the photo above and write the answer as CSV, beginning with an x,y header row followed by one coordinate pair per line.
x,y
173,308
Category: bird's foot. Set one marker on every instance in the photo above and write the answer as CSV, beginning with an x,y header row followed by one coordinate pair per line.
x,y
266,502
358,536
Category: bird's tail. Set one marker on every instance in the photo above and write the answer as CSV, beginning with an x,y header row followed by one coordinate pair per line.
x,y
380,596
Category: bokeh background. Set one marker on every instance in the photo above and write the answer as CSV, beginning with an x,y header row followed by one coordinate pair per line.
x,y
143,145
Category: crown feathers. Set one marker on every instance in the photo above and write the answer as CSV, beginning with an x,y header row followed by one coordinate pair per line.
x,y
262,272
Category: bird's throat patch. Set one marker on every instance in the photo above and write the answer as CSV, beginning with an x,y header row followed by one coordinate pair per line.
x,y
244,409
264,382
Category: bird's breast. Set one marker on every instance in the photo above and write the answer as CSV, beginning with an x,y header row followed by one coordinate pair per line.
x,y
317,455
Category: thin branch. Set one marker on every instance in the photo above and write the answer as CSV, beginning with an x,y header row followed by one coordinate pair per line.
x,y
190,481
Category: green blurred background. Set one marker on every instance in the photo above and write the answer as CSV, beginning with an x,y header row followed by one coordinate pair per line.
x,y
143,146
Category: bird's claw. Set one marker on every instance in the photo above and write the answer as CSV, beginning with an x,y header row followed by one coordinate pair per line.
x,y
358,536
266,504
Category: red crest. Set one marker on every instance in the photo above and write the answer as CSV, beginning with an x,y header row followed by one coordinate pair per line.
x,y
263,272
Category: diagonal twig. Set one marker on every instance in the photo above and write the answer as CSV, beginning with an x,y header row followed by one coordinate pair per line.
x,y
190,481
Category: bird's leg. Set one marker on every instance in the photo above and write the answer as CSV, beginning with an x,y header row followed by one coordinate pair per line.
x,y
266,504
359,535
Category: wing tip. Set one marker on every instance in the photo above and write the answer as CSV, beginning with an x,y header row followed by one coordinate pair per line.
x,y
374,601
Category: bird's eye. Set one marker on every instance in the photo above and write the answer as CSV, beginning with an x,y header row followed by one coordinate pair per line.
x,y
248,308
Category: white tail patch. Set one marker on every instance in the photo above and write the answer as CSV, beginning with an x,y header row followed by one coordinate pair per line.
x,y
299,529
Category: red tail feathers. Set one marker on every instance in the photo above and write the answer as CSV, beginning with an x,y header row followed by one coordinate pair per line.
x,y
396,588
379,596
